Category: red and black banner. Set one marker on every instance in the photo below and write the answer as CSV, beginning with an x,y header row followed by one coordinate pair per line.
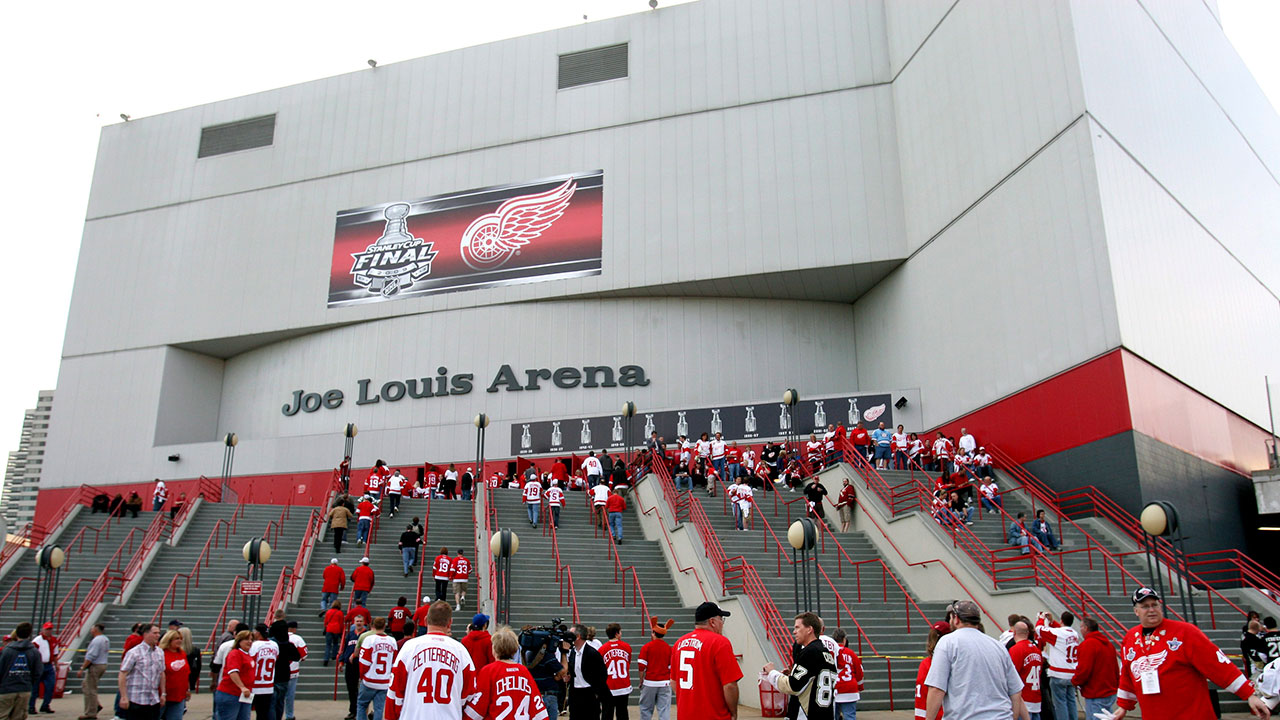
x,y
502,235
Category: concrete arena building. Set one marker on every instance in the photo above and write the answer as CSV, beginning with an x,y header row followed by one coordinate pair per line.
x,y
1054,223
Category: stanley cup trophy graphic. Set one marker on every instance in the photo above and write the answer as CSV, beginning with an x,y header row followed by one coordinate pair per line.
x,y
526,440
784,418
556,437
648,424
819,416
682,425
397,259
585,435
751,419
853,412
717,425
616,432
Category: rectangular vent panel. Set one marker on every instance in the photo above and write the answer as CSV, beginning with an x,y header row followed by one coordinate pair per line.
x,y
593,66
240,135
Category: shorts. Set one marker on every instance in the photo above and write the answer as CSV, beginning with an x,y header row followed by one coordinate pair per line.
x,y
882,452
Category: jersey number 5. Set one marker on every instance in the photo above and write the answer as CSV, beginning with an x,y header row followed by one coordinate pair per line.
x,y
686,669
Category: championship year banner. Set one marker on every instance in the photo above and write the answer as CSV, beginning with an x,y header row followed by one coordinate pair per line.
x,y
747,423
502,235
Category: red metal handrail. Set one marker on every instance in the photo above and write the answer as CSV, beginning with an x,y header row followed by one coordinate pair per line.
x,y
222,614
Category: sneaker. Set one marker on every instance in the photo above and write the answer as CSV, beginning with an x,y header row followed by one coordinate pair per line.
x,y
458,606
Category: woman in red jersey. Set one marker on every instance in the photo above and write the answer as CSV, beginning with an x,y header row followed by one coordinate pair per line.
x,y
505,690
936,631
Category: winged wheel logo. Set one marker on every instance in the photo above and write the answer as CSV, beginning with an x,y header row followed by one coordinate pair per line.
x,y
493,238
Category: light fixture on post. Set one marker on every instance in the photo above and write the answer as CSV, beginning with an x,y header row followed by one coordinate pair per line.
x,y
628,413
481,422
228,459
503,544
1160,519
256,553
49,562
791,398
803,536
348,450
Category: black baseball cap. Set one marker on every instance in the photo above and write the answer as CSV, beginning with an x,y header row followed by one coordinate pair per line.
x,y
708,610
1143,593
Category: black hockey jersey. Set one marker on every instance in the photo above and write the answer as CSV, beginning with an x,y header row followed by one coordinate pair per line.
x,y
812,680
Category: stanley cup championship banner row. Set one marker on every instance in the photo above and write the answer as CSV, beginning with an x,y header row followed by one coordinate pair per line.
x,y
533,231
747,423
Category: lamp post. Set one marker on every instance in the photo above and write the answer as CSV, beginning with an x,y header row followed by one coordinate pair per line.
x,y
49,562
481,422
503,544
802,536
1160,519
791,398
628,413
228,459
256,553
348,450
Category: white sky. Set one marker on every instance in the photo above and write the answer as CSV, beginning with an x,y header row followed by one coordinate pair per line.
x,y
72,68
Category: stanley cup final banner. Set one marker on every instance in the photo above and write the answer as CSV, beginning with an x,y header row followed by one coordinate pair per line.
x,y
502,235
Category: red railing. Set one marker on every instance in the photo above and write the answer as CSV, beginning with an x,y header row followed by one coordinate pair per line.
x,y
223,529
620,575
227,603
564,575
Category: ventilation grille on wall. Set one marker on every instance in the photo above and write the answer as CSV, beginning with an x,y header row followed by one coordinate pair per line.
x,y
593,66
239,135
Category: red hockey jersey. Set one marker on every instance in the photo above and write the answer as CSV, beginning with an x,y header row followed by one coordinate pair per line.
x,y
1177,658
1027,660
617,666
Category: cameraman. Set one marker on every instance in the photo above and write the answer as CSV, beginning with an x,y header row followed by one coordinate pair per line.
x,y
541,650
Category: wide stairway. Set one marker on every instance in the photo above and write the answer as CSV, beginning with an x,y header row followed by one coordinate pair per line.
x,y
215,532
92,541
449,524
887,625
536,597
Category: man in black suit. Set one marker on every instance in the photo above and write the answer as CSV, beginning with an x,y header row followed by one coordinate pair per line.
x,y
588,688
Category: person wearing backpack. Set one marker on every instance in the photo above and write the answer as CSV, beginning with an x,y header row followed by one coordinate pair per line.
x,y
20,666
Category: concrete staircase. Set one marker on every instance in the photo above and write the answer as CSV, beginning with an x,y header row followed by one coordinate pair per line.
x,y
90,540
203,603
450,524
882,612
535,592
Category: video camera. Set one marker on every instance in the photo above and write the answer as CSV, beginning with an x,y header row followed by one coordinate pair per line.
x,y
538,647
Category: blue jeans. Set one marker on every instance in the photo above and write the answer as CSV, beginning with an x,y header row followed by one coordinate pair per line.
x,y
360,597
48,677
1064,698
990,505
378,698
1097,705
228,707
847,710
1046,538
615,525
157,505
173,710
718,464
327,599
466,495
683,482
362,531
408,556
737,515
288,699
555,515
735,470
532,510
1024,541
899,460
332,645
553,704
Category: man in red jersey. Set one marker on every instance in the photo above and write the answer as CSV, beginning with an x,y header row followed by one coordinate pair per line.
x,y
705,671
505,688
420,615
1097,670
1164,665
478,643
617,667
433,677
361,582
848,677
1027,660
334,579
460,568
397,616
655,673
936,631
442,572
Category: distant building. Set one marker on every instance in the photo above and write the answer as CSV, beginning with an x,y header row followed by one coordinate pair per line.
x,y
22,471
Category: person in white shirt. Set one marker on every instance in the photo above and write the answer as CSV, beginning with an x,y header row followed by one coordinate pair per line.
x,y
591,466
295,667
395,488
718,448
599,496
1060,643
731,494
159,495
555,501
745,493
967,443
899,449
814,451
532,494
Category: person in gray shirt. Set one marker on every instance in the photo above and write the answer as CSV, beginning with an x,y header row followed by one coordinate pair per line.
x,y
95,663
972,676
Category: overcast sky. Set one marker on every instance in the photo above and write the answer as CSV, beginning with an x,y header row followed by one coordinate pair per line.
x,y
71,69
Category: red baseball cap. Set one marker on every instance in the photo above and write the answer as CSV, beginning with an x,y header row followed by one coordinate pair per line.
x,y
942,626
47,626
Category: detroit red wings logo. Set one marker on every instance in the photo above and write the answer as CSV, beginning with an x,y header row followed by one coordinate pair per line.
x,y
1146,663
492,239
